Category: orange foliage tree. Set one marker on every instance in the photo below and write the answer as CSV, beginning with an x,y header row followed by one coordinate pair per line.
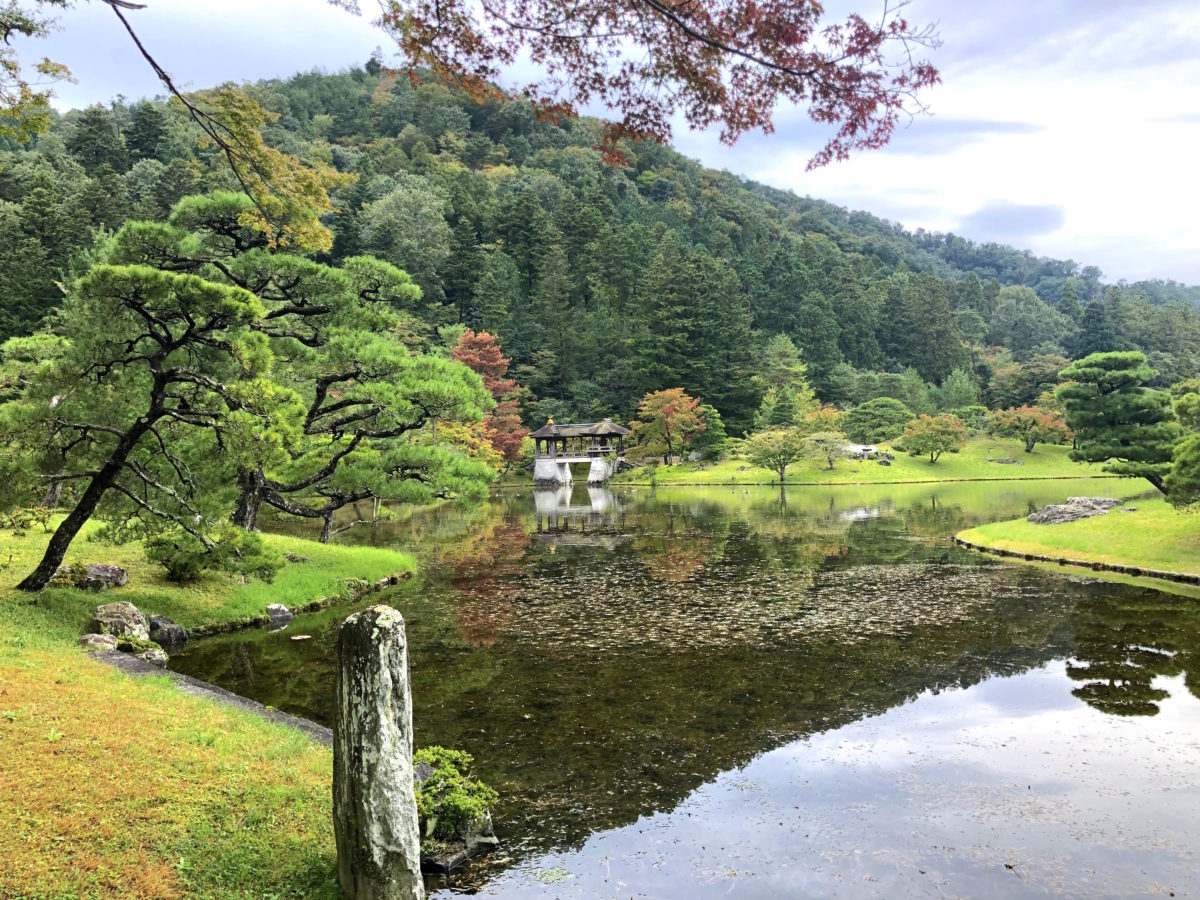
x,y
481,354
1031,425
667,421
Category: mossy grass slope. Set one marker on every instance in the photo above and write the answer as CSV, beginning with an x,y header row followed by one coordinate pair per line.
x,y
1155,535
970,464
116,785
121,786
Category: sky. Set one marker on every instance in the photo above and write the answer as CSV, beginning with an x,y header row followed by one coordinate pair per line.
x,y
1066,127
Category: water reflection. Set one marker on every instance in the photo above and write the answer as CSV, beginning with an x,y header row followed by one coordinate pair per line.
x,y
607,658
598,523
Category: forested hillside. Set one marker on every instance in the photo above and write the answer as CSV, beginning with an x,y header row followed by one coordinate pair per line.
x,y
602,282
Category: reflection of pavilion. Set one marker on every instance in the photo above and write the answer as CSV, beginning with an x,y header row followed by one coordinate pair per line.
x,y
598,523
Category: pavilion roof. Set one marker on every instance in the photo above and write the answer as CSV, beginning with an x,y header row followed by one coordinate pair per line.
x,y
607,428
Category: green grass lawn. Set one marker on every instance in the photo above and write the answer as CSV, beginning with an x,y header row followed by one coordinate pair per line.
x,y
971,464
1154,536
213,599
116,785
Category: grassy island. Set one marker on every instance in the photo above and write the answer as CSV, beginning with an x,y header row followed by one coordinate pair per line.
x,y
121,785
970,464
1150,534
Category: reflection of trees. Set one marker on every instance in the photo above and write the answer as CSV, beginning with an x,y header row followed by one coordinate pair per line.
x,y
486,583
599,723
934,518
1122,644
678,546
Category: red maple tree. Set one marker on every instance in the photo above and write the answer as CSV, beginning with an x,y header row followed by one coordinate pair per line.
x,y
481,354
723,62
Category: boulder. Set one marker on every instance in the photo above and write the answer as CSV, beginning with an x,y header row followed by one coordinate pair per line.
x,y
92,642
1005,460
121,618
165,632
1075,508
295,557
94,576
884,462
154,655
279,616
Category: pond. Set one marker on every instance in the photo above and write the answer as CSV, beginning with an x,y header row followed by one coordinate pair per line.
x,y
712,692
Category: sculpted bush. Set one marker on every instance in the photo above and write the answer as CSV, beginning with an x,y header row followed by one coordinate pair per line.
x,y
881,419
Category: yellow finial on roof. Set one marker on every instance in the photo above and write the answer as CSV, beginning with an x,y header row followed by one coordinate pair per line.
x,y
550,420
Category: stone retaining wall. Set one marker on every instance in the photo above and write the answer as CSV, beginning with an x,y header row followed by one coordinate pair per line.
x,y
360,590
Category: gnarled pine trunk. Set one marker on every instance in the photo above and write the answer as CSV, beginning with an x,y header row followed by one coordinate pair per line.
x,y
250,490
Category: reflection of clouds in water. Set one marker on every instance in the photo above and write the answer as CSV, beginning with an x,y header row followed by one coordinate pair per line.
x,y
860,514
1008,788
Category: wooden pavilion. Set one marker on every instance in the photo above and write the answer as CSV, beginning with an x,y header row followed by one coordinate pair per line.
x,y
560,445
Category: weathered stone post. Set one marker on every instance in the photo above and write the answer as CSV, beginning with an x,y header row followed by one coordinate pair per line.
x,y
374,807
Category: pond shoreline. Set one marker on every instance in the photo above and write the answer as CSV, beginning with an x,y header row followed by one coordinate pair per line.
x,y
1096,566
1151,539
135,667
356,594
674,483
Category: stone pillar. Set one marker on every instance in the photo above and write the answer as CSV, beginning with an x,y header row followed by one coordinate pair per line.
x,y
546,471
599,472
374,807
564,473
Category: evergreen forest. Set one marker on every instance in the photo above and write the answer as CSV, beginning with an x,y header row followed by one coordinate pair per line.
x,y
601,282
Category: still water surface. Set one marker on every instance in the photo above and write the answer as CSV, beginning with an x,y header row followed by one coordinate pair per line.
x,y
711,692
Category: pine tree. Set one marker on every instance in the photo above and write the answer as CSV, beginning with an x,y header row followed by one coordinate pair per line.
x,y
1117,420
722,350
147,128
497,293
934,343
817,335
552,311
661,341
94,141
461,271
784,412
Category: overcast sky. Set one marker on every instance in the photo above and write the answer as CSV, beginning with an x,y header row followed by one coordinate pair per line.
x,y
1068,127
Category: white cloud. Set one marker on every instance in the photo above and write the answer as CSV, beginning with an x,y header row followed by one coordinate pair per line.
x,y
201,44
1083,106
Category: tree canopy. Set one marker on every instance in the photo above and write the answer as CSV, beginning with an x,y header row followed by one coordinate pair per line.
x,y
933,435
600,283
725,63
